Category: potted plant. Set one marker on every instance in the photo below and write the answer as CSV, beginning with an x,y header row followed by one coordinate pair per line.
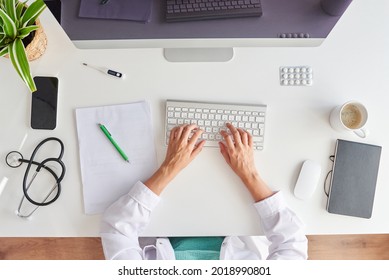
x,y
19,25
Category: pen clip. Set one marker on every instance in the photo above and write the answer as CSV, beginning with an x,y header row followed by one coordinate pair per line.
x,y
103,2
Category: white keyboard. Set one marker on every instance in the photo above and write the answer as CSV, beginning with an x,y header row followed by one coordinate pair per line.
x,y
212,117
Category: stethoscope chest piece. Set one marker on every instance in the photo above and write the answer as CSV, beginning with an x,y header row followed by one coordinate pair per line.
x,y
14,159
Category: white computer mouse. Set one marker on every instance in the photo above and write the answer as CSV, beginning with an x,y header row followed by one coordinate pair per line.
x,y
308,179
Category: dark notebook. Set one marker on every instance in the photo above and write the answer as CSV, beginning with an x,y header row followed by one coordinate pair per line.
x,y
354,179
137,10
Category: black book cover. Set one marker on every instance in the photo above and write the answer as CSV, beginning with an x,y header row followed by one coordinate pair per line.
x,y
354,179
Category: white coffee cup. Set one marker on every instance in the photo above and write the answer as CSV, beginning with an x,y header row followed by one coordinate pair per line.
x,y
351,116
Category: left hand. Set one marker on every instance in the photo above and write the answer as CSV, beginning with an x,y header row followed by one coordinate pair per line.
x,y
182,149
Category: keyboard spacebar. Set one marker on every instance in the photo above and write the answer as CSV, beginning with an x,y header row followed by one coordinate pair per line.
x,y
215,143
214,15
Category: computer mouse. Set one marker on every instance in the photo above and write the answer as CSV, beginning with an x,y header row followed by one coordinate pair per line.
x,y
307,180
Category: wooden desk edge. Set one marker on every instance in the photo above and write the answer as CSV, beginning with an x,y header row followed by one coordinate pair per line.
x,y
321,247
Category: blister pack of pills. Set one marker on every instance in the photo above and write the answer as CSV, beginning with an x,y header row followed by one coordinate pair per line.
x,y
296,76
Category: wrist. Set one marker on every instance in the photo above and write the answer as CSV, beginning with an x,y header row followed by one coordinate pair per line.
x,y
250,178
159,180
257,187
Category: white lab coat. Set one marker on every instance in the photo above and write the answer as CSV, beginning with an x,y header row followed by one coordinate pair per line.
x,y
125,219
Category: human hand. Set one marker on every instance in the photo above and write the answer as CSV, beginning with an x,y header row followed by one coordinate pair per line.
x,y
239,155
238,151
182,149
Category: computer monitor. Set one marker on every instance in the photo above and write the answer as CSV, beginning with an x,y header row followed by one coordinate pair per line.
x,y
284,23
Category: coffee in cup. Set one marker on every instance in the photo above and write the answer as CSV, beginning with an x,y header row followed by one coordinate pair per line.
x,y
351,116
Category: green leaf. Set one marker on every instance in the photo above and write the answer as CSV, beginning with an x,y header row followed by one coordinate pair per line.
x,y
25,31
8,25
18,56
4,51
10,8
19,9
32,13
2,41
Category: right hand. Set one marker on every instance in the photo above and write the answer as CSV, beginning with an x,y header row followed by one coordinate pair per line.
x,y
238,151
239,155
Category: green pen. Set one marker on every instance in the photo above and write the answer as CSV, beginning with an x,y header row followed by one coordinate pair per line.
x,y
109,136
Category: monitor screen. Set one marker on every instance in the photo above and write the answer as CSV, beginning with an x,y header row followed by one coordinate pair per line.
x,y
283,23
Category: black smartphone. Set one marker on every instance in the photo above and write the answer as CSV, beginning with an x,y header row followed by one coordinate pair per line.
x,y
44,103
55,8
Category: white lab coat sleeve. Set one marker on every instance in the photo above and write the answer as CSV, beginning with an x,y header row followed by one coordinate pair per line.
x,y
283,229
124,220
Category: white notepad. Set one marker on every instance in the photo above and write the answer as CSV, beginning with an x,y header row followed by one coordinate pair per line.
x,y
105,174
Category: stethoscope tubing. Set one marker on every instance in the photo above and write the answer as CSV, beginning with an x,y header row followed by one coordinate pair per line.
x,y
58,180
40,165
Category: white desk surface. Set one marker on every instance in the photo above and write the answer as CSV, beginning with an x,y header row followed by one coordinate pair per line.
x,y
206,198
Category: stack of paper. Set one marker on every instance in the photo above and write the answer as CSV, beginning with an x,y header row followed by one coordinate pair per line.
x,y
105,174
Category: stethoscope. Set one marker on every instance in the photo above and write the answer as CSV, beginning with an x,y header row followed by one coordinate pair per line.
x,y
15,159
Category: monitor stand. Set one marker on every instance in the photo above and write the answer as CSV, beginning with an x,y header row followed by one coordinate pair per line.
x,y
198,54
